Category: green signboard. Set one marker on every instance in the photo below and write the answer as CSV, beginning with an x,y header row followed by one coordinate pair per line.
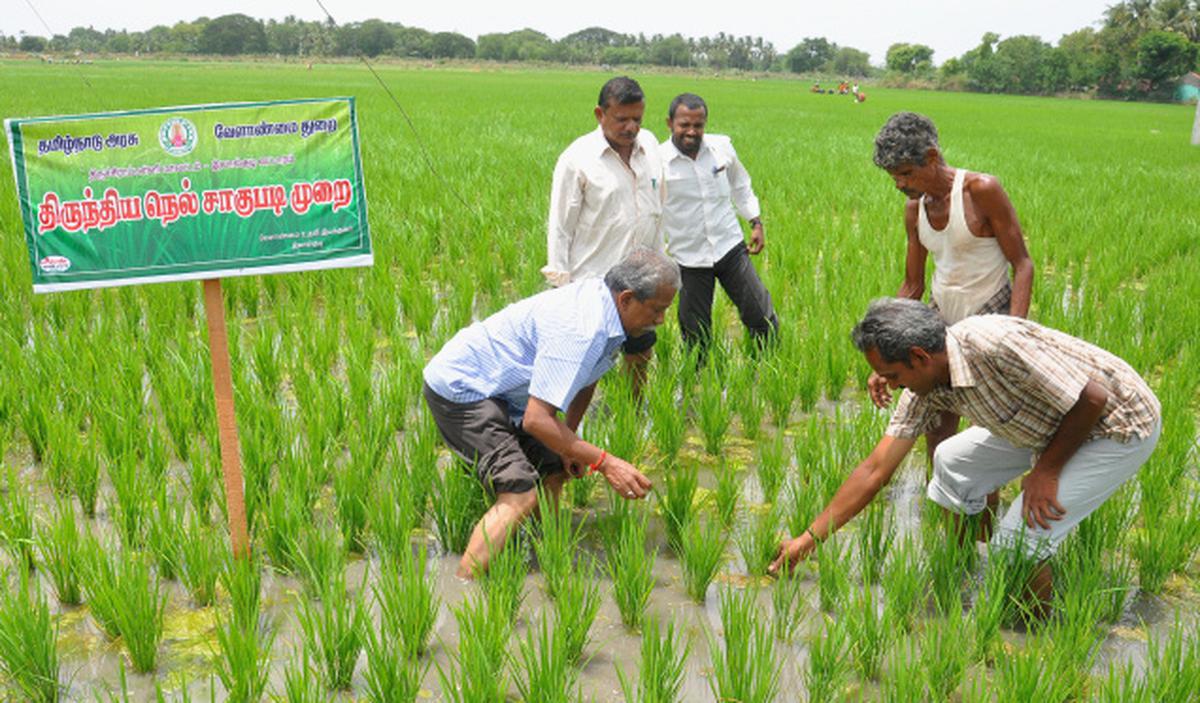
x,y
206,191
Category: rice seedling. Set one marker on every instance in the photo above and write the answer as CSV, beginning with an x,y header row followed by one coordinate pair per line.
x,y
408,602
772,467
504,579
476,672
904,682
626,427
557,542
319,557
833,574
805,501
61,549
745,668
546,668
778,389
575,608
243,655
713,414
702,553
1172,672
352,486
947,563
630,567
997,600
333,632
677,502
129,601
132,499
28,654
1038,672
758,541
905,595
165,533
829,662
393,516
874,540
62,451
300,681
728,493
943,658
391,676
101,588
85,479
458,504
787,604
287,513
748,402
668,422
1121,684
420,456
1168,540
202,482
200,560
16,521
664,658
869,631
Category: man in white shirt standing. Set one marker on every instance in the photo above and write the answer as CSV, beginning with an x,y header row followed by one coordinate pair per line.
x,y
705,183
606,199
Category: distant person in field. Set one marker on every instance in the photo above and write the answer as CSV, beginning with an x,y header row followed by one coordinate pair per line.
x,y
966,221
707,188
1073,419
497,387
606,200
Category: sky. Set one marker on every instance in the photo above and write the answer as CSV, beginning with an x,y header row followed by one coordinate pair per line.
x,y
951,27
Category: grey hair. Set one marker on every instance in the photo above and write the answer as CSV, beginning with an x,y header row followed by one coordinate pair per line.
x,y
643,271
905,138
893,326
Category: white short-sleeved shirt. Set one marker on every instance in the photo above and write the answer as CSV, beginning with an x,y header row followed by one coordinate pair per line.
x,y
600,209
699,220
550,346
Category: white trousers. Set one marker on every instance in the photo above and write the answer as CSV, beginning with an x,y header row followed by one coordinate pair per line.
x,y
975,462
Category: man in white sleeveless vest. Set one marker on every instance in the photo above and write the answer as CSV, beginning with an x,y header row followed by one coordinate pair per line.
x,y
966,221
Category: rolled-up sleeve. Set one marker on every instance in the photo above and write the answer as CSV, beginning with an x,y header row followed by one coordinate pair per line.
x,y
566,200
744,199
912,417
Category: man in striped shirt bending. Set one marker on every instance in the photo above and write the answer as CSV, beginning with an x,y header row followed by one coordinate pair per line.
x,y
1074,419
496,388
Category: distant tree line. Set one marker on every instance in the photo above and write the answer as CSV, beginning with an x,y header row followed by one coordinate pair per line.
x,y
1140,52
239,34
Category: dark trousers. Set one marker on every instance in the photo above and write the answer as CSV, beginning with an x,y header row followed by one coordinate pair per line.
x,y
741,284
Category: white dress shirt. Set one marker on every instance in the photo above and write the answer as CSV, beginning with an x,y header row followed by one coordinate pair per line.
x,y
698,216
601,208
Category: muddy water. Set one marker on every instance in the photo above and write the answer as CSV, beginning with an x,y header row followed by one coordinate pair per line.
x,y
92,663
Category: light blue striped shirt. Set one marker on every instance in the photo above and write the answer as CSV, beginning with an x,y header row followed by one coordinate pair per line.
x,y
550,346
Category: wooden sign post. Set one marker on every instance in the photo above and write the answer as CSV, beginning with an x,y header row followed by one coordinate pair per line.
x,y
222,376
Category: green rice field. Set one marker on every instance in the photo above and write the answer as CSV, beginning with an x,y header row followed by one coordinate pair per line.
x,y
112,515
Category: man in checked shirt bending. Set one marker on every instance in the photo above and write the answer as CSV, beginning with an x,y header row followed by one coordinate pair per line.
x,y
1074,419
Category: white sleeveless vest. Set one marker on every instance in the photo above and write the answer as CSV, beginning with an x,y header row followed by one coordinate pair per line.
x,y
967,270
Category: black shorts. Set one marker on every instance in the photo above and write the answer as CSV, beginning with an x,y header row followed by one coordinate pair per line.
x,y
506,458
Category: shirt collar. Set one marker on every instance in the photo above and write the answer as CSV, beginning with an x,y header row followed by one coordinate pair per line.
x,y
960,371
604,147
612,319
675,153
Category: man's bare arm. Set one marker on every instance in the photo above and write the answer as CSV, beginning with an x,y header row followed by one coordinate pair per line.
x,y
859,489
1040,503
541,421
997,212
914,259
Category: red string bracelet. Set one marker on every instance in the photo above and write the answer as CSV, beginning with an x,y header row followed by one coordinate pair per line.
x,y
592,468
